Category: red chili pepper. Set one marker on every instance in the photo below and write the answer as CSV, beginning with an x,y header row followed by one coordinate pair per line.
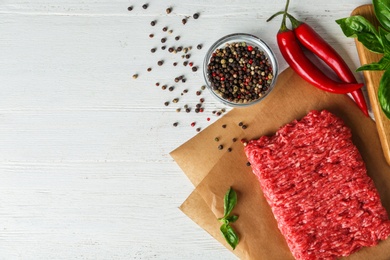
x,y
295,57
317,45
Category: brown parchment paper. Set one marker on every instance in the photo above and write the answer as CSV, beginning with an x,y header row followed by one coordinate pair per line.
x,y
213,171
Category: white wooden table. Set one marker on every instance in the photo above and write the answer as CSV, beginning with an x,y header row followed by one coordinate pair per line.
x,y
85,171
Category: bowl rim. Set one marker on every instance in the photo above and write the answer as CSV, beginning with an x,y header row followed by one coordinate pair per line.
x,y
254,40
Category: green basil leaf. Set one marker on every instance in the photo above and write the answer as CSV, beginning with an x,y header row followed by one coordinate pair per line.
x,y
382,64
229,235
384,93
232,218
359,27
382,12
385,39
230,201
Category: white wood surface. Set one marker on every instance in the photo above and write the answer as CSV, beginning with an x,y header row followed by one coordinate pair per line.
x,y
85,171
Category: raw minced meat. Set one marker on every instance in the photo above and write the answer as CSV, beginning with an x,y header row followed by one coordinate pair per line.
x,y
316,183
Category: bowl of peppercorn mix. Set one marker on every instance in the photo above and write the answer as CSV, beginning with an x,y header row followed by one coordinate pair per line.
x,y
240,69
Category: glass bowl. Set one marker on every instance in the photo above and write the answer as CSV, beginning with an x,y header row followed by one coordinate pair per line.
x,y
240,69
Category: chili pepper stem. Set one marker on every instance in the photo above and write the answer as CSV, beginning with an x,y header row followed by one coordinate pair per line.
x,y
283,26
294,22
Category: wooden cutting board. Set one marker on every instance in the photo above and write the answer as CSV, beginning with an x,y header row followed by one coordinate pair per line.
x,y
372,79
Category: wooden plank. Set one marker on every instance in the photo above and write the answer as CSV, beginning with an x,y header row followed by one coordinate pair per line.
x,y
372,79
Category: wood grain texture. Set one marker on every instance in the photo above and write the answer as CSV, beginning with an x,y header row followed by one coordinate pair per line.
x,y
85,171
372,79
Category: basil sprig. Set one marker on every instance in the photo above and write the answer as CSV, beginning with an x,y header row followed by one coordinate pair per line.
x,y
375,40
230,201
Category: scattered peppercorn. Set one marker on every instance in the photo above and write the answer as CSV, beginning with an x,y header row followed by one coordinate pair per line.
x,y
229,149
163,40
220,147
244,127
153,23
178,109
188,110
185,91
184,21
198,129
199,46
157,84
193,124
196,110
164,87
179,49
130,8
175,64
175,100
198,92
183,80
145,6
160,62
170,31
234,140
185,63
163,47
201,109
240,124
171,49
153,50
171,88
188,56
223,126
135,76
175,124
208,119
218,113
248,164
168,10
194,69
203,87
149,69
196,16
177,38
165,29
201,100
216,139
151,35
166,103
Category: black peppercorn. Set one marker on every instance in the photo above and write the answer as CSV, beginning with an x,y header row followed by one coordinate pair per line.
x,y
175,64
171,49
168,10
145,6
165,29
199,46
198,129
196,16
153,50
171,88
194,69
224,126
163,47
248,164
166,103
229,149
160,62
220,147
130,8
175,124
184,21
153,23
177,38
151,35
149,69
234,140
163,40
244,127
240,124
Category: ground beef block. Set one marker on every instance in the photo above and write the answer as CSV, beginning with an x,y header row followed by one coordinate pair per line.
x,y
316,183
